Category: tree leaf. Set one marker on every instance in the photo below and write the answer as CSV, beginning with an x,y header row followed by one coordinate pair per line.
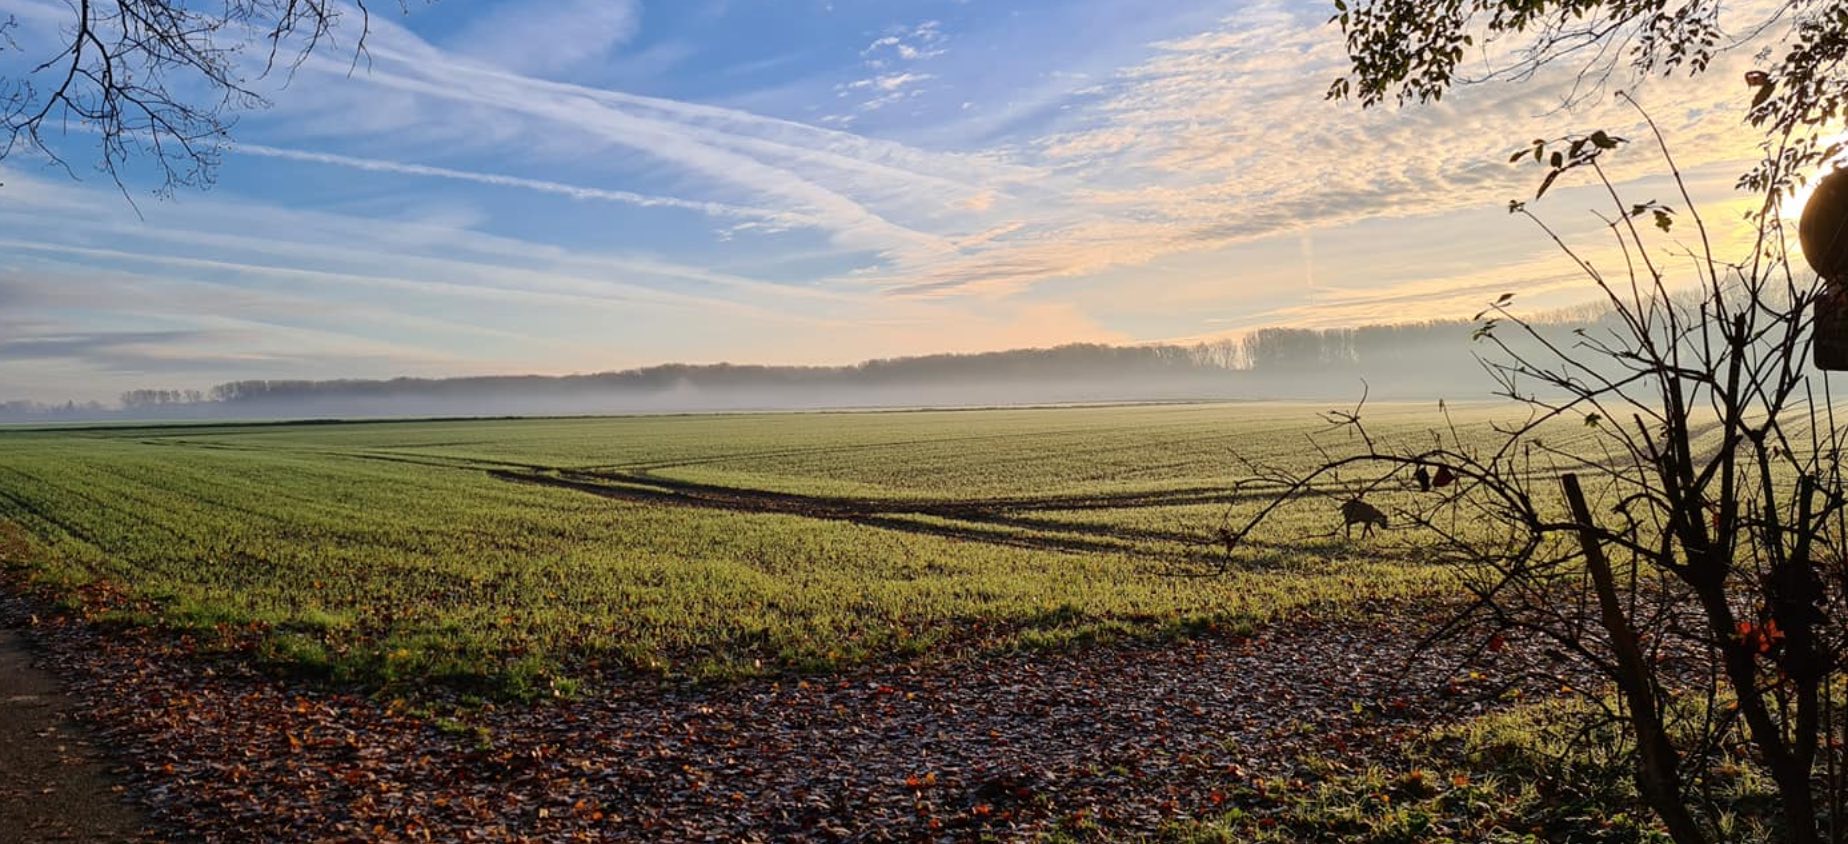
x,y
1547,183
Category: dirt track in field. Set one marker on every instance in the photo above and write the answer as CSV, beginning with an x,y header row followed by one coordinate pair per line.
x,y
997,521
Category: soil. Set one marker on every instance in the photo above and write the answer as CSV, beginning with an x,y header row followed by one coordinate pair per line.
x,y
1009,521
54,786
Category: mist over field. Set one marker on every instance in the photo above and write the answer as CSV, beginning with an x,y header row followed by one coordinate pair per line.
x,y
1411,361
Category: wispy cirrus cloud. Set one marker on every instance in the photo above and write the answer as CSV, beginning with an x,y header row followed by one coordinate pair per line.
x,y
885,88
764,218
240,290
891,62
1224,137
549,38
901,44
835,179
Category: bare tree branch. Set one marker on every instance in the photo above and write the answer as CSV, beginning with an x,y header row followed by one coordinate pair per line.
x,y
158,81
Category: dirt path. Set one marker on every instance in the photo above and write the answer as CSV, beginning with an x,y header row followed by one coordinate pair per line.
x,y
53,784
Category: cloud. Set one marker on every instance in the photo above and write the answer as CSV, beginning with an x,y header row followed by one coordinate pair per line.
x,y
888,82
227,347
211,236
900,47
922,41
81,345
829,177
886,88
217,287
762,217
1223,137
552,37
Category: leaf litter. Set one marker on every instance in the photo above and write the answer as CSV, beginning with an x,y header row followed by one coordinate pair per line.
x,y
1106,741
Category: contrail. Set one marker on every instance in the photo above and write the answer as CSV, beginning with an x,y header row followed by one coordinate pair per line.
x,y
715,209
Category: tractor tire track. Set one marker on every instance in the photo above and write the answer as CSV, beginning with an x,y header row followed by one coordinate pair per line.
x,y
975,520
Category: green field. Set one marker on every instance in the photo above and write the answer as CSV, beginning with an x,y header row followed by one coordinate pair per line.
x,y
563,550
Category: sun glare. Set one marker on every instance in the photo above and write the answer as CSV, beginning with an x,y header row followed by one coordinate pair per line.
x,y
1792,206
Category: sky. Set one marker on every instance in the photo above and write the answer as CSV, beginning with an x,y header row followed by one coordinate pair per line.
x,y
510,186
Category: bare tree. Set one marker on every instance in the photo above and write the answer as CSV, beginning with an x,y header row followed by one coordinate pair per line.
x,y
159,80
1669,512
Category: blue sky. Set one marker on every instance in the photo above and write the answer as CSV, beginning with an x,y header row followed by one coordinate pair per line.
x,y
583,185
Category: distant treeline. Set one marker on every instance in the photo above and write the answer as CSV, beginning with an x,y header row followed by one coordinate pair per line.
x,y
1076,361
1309,349
33,411
1418,359
1269,350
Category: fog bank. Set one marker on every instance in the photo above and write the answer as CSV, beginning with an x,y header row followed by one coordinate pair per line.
x,y
1413,361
